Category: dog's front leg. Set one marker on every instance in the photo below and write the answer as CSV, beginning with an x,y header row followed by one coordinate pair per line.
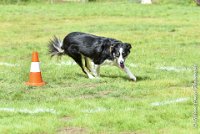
x,y
128,72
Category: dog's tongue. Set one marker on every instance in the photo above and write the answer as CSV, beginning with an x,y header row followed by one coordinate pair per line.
x,y
122,65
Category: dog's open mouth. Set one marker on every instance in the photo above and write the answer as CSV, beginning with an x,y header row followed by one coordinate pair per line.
x,y
121,65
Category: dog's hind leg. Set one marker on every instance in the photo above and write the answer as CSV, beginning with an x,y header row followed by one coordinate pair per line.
x,y
86,67
95,69
79,59
88,64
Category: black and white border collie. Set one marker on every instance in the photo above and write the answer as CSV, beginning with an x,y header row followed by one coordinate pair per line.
x,y
90,52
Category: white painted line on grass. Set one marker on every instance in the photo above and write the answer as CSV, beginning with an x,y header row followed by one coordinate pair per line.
x,y
102,109
166,68
172,68
178,100
96,110
27,111
8,64
67,63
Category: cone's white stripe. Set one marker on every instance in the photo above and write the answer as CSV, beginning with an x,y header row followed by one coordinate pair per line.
x,y
35,67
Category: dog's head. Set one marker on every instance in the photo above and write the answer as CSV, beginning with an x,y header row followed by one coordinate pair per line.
x,y
120,51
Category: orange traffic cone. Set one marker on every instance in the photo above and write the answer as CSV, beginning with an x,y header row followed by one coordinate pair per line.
x,y
35,78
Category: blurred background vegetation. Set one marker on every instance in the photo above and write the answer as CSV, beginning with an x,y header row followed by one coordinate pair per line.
x,y
182,2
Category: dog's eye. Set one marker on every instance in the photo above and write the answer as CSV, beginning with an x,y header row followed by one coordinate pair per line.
x,y
124,54
117,54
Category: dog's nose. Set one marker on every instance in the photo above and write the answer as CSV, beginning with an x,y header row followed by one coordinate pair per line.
x,y
121,62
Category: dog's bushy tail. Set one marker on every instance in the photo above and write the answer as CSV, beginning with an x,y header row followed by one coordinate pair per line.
x,y
55,47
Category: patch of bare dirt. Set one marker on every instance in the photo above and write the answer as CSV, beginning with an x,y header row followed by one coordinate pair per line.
x,y
72,130
78,86
103,93
99,94
66,118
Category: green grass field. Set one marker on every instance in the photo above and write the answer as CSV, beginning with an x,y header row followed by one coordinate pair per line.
x,y
165,46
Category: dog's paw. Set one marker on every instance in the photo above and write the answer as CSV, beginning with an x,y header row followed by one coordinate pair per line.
x,y
133,79
90,76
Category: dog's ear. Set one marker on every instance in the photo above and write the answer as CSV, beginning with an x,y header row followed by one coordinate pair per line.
x,y
128,46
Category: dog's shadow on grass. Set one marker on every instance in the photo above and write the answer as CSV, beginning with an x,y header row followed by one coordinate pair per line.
x,y
139,78
143,78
